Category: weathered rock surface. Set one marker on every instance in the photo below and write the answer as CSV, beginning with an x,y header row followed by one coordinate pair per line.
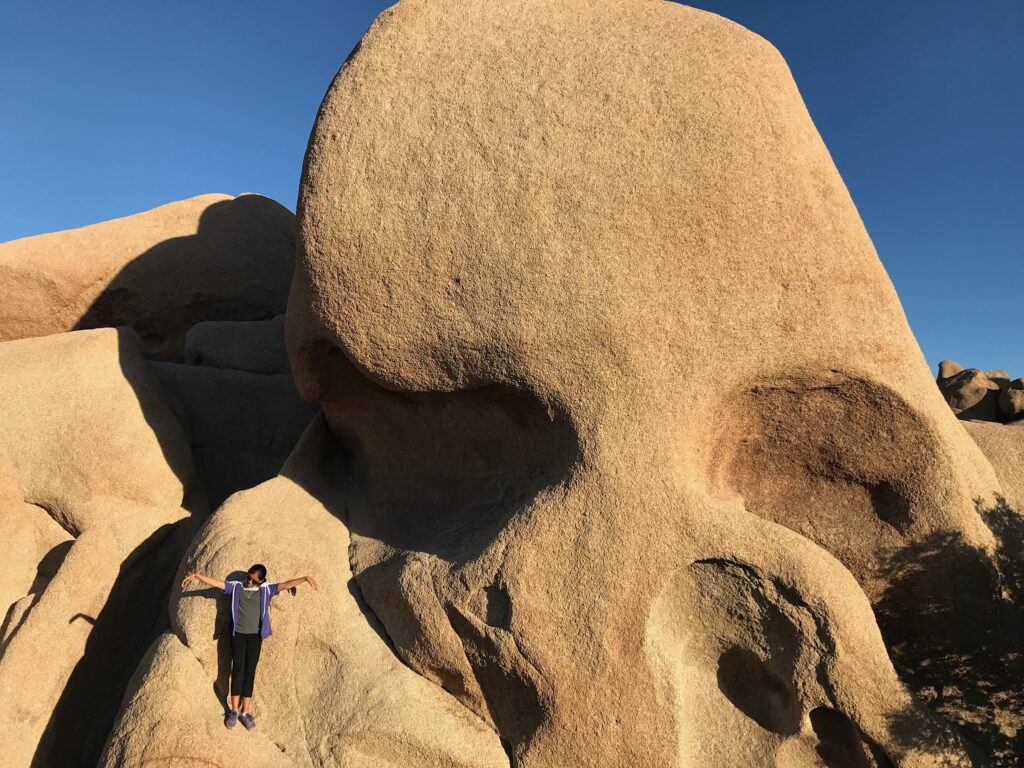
x,y
242,426
211,257
1003,446
948,368
626,396
627,455
972,394
981,395
256,346
999,698
329,690
96,485
1011,400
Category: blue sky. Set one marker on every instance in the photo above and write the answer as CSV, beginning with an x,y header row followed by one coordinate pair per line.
x,y
112,107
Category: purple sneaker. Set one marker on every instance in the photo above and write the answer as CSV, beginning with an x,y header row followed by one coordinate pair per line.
x,y
247,720
231,718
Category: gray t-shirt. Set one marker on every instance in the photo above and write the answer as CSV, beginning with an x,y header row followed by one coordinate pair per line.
x,y
248,622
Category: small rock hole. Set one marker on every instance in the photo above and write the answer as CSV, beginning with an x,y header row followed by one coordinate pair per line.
x,y
758,691
841,744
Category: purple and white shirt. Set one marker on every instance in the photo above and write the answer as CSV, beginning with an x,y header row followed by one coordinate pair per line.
x,y
267,591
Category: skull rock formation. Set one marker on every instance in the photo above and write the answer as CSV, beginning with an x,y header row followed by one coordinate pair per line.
x,y
211,257
96,487
636,434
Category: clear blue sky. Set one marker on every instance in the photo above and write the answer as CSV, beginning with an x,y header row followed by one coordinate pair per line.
x,y
112,107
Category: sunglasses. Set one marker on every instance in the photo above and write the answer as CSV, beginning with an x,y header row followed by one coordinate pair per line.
x,y
251,580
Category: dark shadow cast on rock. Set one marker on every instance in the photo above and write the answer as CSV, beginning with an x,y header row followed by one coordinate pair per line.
x,y
967,668
134,613
230,269
133,616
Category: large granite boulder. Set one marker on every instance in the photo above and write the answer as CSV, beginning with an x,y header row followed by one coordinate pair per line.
x,y
96,490
1011,400
971,394
211,257
636,432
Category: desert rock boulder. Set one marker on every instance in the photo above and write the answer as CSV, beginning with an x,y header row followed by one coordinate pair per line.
x,y
544,251
211,257
96,488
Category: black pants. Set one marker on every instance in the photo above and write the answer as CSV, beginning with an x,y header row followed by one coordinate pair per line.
x,y
245,653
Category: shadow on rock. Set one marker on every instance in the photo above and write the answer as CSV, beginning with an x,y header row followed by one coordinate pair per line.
x,y
237,266
967,667
133,617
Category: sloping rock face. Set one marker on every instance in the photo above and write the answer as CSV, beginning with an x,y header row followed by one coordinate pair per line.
x,y
998,697
329,690
636,433
211,257
96,490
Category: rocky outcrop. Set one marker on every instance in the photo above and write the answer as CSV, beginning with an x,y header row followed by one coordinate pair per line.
x,y
331,691
979,395
211,257
1011,400
971,394
98,470
625,453
97,487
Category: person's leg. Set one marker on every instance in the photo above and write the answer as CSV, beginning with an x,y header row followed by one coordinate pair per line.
x,y
254,644
238,663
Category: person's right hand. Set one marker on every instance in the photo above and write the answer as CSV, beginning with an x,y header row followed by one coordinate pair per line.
x,y
189,578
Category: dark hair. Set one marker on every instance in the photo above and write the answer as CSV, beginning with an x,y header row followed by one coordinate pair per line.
x,y
259,570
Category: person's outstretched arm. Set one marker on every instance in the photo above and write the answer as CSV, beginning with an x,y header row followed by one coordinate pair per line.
x,y
283,585
205,579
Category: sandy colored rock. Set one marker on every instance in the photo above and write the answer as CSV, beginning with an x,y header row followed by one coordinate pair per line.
x,y
96,486
636,432
949,368
256,346
972,395
329,690
1003,446
210,257
1011,400
242,426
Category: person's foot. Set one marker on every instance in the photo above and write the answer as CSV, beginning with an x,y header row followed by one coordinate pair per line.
x,y
231,718
247,720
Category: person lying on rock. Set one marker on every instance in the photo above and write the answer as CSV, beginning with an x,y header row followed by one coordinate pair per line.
x,y
250,626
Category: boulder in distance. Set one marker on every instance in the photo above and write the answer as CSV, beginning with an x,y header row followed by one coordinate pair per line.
x,y
211,257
